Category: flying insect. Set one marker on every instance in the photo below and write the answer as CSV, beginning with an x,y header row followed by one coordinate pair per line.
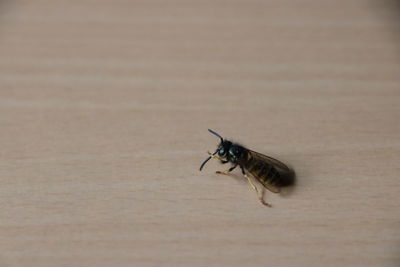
x,y
270,172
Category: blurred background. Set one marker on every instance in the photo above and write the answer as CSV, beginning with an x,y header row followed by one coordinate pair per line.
x,y
104,111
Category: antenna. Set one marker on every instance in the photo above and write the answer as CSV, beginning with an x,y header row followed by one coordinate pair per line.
x,y
216,134
207,159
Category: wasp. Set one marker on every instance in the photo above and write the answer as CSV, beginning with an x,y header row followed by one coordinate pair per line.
x,y
269,172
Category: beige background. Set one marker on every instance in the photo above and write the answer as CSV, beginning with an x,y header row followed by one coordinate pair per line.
x,y
104,110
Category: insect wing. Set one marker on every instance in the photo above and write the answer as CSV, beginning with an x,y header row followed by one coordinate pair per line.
x,y
259,158
282,168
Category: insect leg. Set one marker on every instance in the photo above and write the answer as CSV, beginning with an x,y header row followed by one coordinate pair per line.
x,y
218,158
227,171
260,196
213,155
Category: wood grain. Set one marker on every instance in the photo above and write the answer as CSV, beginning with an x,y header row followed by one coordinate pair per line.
x,y
105,107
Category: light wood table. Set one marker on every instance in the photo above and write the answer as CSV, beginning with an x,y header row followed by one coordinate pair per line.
x,y
104,111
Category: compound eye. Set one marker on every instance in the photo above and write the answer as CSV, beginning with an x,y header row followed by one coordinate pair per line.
x,y
221,151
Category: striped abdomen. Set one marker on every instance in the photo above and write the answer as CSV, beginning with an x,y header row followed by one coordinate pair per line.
x,y
264,171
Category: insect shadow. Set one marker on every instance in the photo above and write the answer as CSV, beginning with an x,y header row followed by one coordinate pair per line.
x,y
289,185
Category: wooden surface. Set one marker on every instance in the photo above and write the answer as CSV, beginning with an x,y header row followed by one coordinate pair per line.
x,y
105,107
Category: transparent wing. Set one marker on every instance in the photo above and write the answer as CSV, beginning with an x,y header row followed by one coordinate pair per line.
x,y
276,163
260,161
266,184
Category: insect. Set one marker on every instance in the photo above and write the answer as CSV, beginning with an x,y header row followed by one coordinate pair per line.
x,y
269,172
